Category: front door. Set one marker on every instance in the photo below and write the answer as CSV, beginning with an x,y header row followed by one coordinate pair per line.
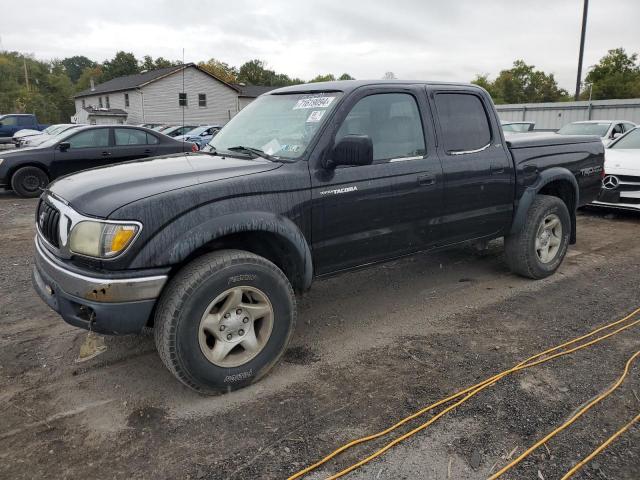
x,y
364,214
478,171
88,148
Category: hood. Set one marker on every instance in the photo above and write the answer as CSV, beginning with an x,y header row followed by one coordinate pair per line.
x,y
100,191
26,133
622,161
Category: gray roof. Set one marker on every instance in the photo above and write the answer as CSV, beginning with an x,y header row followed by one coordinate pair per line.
x,y
129,82
252,91
117,112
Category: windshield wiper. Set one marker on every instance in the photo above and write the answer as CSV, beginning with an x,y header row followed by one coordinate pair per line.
x,y
253,151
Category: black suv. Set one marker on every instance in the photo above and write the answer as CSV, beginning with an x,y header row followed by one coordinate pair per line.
x,y
307,181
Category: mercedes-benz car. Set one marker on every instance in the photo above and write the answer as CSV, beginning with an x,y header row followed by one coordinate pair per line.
x,y
621,183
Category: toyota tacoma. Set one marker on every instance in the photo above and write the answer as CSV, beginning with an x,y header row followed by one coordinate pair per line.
x,y
210,248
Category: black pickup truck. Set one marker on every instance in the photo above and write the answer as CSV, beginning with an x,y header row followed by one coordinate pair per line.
x,y
307,181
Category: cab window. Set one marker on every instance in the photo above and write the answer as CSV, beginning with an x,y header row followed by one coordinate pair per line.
x,y
464,122
392,121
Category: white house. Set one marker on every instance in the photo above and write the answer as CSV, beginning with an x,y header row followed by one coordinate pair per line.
x,y
185,93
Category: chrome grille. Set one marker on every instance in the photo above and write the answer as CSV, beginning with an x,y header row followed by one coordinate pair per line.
x,y
48,221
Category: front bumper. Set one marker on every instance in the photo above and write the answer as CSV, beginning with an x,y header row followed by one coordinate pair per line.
x,y
102,303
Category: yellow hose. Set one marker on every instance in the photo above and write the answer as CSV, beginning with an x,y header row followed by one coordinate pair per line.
x,y
604,445
470,391
566,424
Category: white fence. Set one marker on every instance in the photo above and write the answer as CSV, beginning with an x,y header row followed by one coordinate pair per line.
x,y
552,116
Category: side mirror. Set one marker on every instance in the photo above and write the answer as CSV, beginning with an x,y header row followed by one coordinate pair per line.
x,y
64,146
354,150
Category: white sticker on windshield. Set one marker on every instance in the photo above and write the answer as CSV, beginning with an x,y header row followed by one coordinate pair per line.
x,y
313,102
272,147
315,116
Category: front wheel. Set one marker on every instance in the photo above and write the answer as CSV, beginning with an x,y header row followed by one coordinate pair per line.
x,y
224,320
537,250
29,181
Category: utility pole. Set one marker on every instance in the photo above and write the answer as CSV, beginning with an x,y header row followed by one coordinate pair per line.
x,y
581,54
26,73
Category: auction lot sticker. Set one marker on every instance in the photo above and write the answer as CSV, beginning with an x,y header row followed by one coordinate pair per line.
x,y
314,102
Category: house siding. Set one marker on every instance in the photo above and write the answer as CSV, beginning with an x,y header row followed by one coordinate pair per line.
x,y
161,99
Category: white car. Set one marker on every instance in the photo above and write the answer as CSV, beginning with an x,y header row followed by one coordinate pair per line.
x,y
31,138
621,183
607,130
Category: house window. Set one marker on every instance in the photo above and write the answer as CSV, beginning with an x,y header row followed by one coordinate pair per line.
x,y
202,99
126,99
83,103
106,99
182,99
100,102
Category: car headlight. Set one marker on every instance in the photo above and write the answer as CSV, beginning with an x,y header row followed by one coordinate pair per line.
x,y
100,239
1,160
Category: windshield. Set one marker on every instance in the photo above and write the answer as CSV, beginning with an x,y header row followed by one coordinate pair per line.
x,y
280,125
599,129
630,141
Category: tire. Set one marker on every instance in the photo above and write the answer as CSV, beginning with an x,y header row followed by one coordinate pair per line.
x,y
187,343
29,181
521,249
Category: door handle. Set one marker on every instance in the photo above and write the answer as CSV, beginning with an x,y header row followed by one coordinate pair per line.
x,y
147,151
497,169
426,179
106,154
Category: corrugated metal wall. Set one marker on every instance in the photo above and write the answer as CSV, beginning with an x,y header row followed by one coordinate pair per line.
x,y
552,116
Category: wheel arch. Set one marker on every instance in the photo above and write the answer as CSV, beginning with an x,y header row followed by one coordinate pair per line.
x,y
556,182
271,236
11,172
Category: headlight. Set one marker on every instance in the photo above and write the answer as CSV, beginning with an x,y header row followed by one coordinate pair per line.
x,y
100,239
1,160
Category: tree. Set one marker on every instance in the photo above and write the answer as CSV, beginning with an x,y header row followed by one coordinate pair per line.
x,y
616,75
74,66
255,72
148,63
84,82
389,76
220,70
522,84
329,77
123,63
345,76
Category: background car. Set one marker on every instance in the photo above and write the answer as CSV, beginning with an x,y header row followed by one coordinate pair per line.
x,y
518,126
200,135
607,130
177,130
36,138
621,183
28,170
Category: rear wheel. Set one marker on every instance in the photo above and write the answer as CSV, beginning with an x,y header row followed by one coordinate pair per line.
x,y
29,181
224,320
538,249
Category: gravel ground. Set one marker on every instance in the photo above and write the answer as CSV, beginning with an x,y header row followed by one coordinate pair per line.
x,y
371,347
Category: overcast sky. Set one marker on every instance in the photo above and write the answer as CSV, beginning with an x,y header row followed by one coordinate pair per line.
x,y
415,39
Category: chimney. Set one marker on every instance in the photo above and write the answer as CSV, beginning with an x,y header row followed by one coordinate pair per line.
x,y
93,84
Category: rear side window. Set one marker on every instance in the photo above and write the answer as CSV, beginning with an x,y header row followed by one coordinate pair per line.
x,y
96,137
464,122
392,120
25,121
130,136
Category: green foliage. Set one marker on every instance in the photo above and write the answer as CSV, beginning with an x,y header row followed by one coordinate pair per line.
x,y
74,66
220,70
616,75
330,77
148,63
345,76
123,63
522,84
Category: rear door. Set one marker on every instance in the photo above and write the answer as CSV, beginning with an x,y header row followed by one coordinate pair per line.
x,y
88,149
132,143
368,213
477,168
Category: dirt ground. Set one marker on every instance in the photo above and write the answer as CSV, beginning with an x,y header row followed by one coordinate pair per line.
x,y
370,348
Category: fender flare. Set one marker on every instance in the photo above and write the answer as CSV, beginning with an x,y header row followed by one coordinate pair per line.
x,y
245,222
544,178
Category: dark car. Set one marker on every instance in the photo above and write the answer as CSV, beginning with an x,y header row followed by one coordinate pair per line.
x,y
305,182
27,171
